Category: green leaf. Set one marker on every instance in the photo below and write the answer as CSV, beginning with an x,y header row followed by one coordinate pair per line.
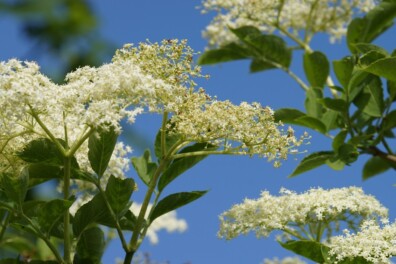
x,y
330,119
374,166
174,201
384,67
365,30
229,52
367,47
347,153
371,100
369,58
259,64
389,121
101,146
144,167
316,67
92,212
306,248
356,84
312,105
339,140
181,165
15,186
267,48
118,192
170,140
343,70
42,150
39,173
391,88
49,213
90,246
312,161
294,116
338,105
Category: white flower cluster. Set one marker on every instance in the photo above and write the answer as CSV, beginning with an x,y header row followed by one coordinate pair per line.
x,y
247,129
168,222
290,209
374,243
287,260
154,76
310,16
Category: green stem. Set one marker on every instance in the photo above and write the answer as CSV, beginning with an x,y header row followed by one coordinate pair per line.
x,y
117,223
46,130
66,217
44,238
4,225
204,153
134,242
163,134
307,48
79,142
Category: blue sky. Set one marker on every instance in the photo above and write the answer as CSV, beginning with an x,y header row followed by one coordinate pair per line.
x,y
229,179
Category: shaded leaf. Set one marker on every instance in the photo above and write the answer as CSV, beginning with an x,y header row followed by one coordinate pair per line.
x,y
347,153
371,100
374,166
267,48
384,67
42,150
376,21
101,146
312,105
90,246
229,52
118,192
316,68
49,213
306,248
294,116
343,70
330,119
367,47
339,140
338,105
312,161
183,164
174,201
144,167
15,186
389,121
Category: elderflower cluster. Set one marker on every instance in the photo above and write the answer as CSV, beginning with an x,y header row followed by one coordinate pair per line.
x,y
287,260
168,222
270,213
245,129
292,16
374,243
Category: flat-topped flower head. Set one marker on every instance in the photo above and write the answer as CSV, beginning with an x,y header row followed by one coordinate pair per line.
x,y
291,211
245,129
295,16
374,242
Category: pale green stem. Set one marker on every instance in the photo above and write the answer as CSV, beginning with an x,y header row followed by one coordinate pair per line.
x,y
204,153
4,225
163,134
308,49
79,142
134,242
118,227
46,130
66,217
293,233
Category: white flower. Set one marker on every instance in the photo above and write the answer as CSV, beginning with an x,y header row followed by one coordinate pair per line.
x,y
294,16
374,242
290,211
